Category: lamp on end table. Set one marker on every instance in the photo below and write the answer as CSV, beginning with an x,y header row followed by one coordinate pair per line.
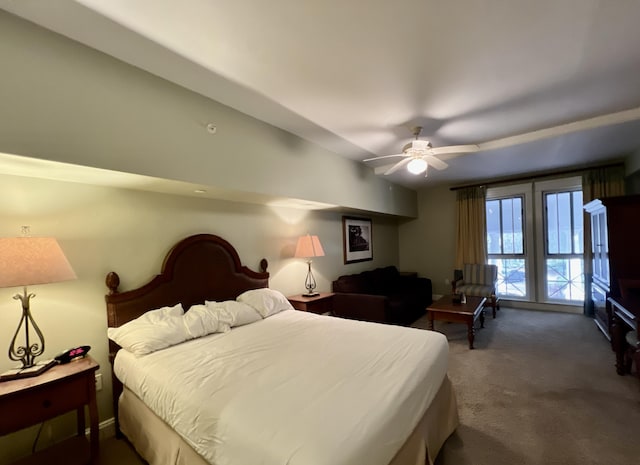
x,y
26,261
309,246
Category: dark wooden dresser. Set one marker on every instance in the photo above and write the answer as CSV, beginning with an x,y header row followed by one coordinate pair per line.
x,y
615,225
626,319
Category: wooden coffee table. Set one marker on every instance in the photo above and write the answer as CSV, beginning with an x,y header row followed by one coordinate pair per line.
x,y
445,309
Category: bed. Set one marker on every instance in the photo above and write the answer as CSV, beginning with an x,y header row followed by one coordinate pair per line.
x,y
289,388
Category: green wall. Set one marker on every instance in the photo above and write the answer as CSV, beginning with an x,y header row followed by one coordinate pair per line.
x,y
66,102
427,243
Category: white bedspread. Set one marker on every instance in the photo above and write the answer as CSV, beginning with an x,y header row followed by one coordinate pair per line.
x,y
295,389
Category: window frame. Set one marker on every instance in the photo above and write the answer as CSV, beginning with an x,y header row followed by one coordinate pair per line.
x,y
542,188
522,191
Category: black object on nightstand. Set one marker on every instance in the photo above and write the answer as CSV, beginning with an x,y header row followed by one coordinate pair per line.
x,y
72,354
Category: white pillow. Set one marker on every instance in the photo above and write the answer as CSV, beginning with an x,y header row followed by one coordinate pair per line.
x,y
148,334
238,312
153,316
266,301
200,321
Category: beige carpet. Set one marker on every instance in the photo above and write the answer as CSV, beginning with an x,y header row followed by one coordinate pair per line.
x,y
540,388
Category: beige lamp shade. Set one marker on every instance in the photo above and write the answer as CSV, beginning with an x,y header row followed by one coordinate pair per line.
x,y
309,246
25,261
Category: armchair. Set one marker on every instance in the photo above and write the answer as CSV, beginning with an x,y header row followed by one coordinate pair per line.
x,y
477,280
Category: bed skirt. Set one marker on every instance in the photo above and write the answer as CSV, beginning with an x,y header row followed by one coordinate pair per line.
x,y
158,444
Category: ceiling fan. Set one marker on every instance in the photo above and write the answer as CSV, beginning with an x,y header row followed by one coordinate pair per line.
x,y
418,155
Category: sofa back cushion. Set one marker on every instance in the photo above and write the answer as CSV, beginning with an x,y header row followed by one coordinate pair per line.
x,y
353,283
380,281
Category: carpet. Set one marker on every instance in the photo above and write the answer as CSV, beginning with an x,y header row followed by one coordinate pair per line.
x,y
540,388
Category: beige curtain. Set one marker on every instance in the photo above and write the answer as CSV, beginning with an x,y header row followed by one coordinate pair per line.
x,y
596,184
471,244
602,182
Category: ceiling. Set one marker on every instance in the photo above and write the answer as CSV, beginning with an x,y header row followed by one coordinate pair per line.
x,y
356,76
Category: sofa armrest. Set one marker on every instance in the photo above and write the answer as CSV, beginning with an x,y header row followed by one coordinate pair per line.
x,y
426,287
418,286
365,307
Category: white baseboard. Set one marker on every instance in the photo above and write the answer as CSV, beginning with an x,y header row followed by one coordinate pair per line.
x,y
518,304
106,429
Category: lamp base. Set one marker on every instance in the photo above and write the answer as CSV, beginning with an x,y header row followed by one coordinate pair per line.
x,y
311,294
21,372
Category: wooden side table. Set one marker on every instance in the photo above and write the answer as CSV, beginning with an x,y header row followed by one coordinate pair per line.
x,y
321,303
445,309
63,388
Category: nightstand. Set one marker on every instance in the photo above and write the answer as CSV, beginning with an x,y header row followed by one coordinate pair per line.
x,y
63,388
318,304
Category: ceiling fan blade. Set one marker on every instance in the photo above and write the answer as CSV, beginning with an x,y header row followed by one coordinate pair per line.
x,y
454,149
383,168
386,156
435,162
398,165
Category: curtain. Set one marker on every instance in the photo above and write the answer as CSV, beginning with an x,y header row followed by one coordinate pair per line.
x,y
602,182
596,184
471,244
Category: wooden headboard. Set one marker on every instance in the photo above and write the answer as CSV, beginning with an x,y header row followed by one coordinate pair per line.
x,y
198,268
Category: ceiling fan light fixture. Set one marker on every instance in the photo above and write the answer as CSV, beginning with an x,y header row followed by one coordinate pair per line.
x,y
417,166
421,145
417,147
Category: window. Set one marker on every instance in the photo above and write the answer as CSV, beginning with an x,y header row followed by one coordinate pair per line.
x,y
535,237
505,244
564,274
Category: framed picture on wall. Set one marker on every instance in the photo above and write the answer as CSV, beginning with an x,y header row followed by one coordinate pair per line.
x,y
357,239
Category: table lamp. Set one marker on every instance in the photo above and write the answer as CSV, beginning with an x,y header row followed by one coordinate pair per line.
x,y
308,247
25,261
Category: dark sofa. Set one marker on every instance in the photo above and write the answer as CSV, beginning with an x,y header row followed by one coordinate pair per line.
x,y
382,295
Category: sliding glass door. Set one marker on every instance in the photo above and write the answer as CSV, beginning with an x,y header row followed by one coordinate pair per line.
x,y
509,239
535,237
505,244
563,233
